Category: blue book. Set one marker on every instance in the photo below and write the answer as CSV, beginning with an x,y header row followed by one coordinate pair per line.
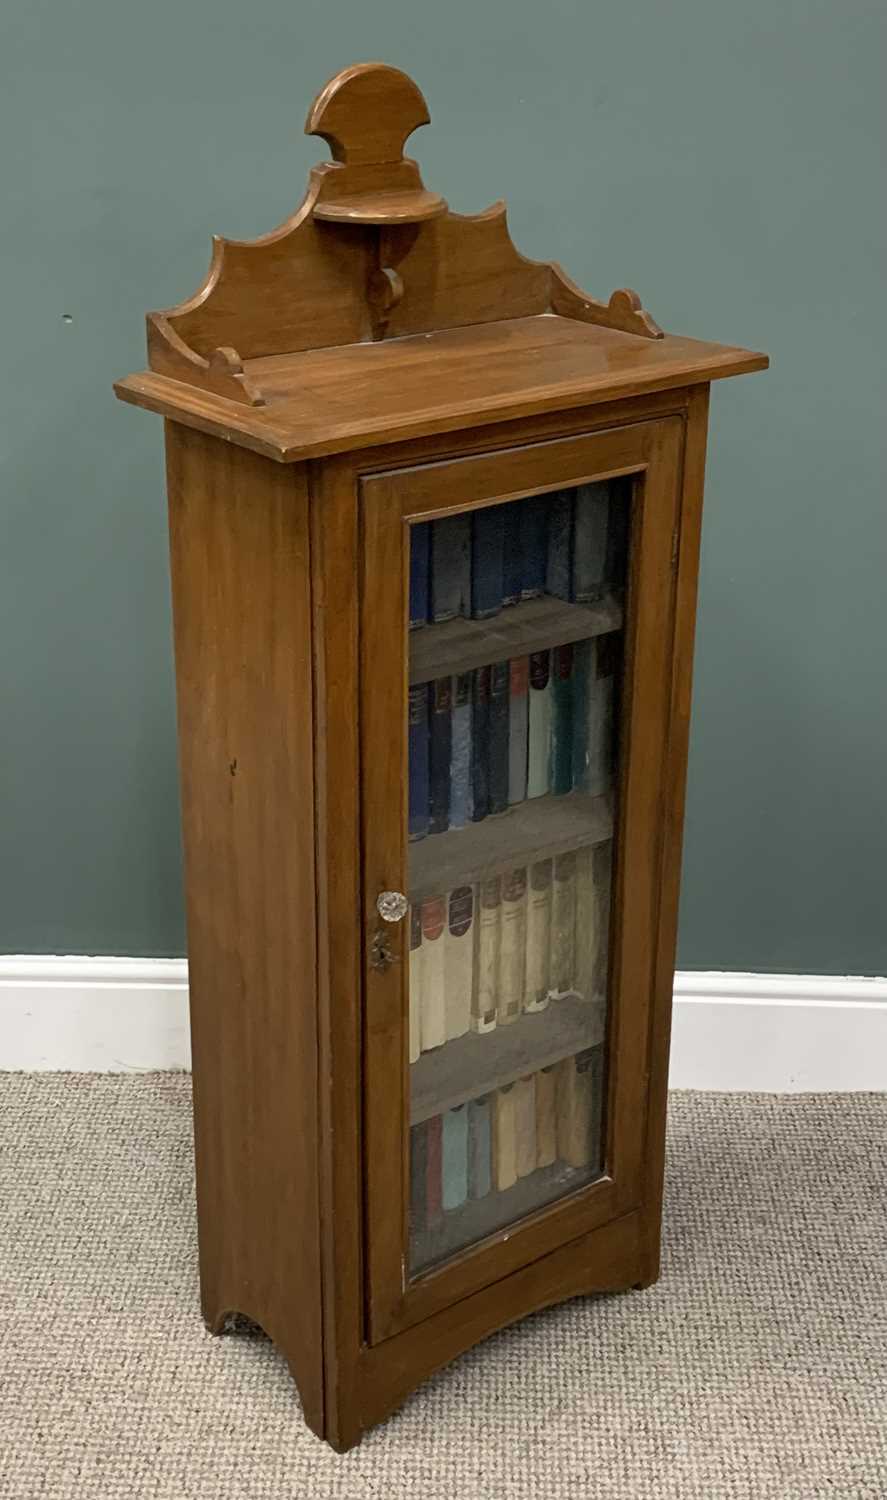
x,y
418,756
534,544
480,728
460,756
487,561
618,530
559,566
562,720
420,564
439,754
590,534
450,567
454,1157
497,736
513,565
479,1147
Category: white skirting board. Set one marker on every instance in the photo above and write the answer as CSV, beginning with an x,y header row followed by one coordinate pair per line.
x,y
772,1032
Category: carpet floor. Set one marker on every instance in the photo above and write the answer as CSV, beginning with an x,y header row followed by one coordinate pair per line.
x,y
755,1370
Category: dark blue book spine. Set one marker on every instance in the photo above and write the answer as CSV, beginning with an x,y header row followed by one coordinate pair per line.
x,y
487,561
559,570
480,727
418,754
440,753
562,720
460,761
450,567
498,736
534,544
513,572
420,565
618,530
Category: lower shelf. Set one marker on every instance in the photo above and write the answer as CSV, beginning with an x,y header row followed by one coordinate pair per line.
x,y
474,1064
479,1217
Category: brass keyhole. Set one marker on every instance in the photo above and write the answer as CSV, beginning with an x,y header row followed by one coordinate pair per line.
x,y
381,956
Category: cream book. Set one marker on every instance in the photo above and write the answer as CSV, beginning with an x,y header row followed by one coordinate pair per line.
x,y
504,1139
546,1117
486,955
602,882
525,1126
459,960
579,1104
590,969
537,976
563,926
512,947
416,957
434,1021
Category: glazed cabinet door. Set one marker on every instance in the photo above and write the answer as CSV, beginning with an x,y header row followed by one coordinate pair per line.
x,y
516,637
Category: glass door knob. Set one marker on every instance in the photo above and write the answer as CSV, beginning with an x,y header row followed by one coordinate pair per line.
x,y
392,906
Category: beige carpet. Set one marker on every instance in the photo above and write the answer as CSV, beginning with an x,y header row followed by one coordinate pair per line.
x,y
755,1369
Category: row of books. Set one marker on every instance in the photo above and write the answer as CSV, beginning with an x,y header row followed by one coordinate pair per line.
x,y
571,543
490,1143
485,740
482,955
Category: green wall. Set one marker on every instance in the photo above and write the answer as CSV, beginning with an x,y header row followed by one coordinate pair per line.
x,y
723,159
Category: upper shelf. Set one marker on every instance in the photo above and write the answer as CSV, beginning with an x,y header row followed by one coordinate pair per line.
x,y
374,313
533,625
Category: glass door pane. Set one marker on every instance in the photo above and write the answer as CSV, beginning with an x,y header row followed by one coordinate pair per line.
x,y
515,652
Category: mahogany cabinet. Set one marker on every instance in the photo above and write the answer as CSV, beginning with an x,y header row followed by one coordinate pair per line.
x,y
434,521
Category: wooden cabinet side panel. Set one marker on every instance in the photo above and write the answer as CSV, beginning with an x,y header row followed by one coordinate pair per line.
x,y
239,547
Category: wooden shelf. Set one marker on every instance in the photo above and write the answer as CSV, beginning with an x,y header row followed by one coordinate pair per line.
x,y
392,207
534,625
479,1217
536,829
473,1064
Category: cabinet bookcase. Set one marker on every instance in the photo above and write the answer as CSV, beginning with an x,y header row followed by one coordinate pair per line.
x,y
434,527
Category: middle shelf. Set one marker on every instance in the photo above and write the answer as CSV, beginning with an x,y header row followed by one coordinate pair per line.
x,y
474,1064
527,832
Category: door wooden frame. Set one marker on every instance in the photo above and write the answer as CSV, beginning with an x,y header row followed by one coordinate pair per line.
x,y
388,501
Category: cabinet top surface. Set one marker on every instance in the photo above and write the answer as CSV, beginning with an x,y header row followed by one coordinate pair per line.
x,y
335,400
375,314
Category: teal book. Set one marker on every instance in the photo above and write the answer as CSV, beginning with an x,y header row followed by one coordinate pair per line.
x,y
562,719
454,1157
583,656
480,1173
418,1174
600,726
